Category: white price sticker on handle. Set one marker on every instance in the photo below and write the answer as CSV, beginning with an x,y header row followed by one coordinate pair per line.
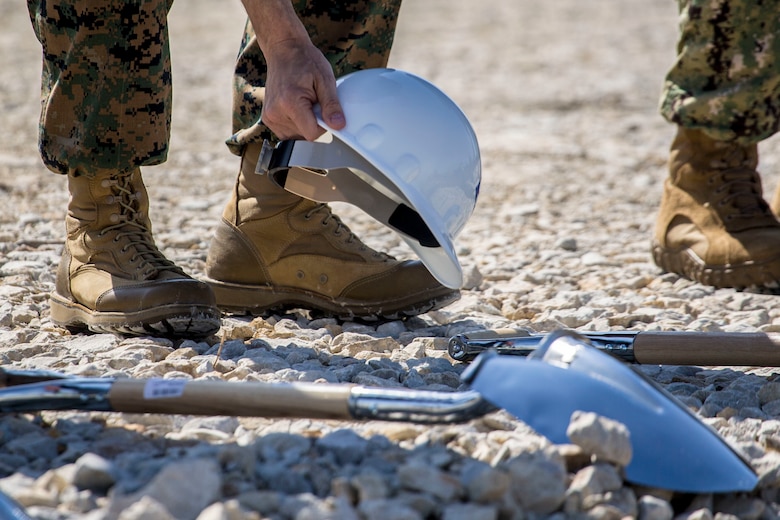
x,y
164,388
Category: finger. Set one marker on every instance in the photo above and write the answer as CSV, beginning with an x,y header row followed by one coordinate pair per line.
x,y
333,116
332,112
304,123
293,122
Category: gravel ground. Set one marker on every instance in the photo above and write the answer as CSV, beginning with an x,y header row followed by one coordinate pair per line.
x,y
563,98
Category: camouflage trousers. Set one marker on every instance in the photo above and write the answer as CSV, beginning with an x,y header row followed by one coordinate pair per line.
x,y
726,78
106,81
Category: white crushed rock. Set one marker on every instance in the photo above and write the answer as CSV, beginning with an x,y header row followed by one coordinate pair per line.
x,y
563,98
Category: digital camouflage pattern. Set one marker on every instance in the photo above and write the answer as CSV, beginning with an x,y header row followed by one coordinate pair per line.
x,y
352,34
106,83
726,79
106,79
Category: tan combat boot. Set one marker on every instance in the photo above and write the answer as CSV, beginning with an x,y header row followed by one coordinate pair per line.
x,y
274,250
713,225
112,278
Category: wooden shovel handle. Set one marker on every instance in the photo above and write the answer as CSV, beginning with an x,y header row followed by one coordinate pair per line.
x,y
186,397
708,348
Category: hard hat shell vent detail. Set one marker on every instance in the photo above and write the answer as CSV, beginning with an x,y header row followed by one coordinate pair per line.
x,y
408,157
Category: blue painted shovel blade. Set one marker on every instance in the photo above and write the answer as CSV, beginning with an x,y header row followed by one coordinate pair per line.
x,y
672,448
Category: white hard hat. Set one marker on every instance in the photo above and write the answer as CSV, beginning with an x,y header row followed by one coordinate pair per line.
x,y
407,156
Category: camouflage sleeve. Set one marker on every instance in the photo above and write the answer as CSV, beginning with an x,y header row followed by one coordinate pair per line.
x,y
352,34
106,83
726,78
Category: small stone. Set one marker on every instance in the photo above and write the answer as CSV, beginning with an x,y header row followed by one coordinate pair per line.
x,y
370,486
595,480
347,446
397,432
427,479
538,480
24,314
391,329
282,447
372,380
470,512
228,350
220,511
426,505
744,508
653,508
623,501
32,446
567,244
329,509
608,440
226,425
487,485
16,267
145,508
574,318
415,349
701,514
388,509
769,392
573,456
93,472
348,343
183,488
264,502
472,278
261,359
591,258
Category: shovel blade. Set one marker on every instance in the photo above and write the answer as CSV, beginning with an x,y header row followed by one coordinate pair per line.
x,y
672,448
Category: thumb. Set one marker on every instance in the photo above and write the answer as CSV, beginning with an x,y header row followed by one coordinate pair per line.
x,y
332,112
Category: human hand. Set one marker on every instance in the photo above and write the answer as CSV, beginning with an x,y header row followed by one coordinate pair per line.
x,y
299,77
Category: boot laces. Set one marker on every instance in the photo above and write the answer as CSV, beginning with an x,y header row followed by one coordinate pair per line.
x,y
739,185
133,230
339,228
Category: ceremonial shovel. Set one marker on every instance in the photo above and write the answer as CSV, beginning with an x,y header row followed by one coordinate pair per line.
x,y
647,348
672,449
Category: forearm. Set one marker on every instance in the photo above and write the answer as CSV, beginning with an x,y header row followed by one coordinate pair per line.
x,y
275,22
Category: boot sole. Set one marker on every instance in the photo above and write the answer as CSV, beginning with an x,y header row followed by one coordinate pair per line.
x,y
168,321
259,300
736,276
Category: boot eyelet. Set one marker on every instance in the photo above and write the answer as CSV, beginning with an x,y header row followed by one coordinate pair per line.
x,y
323,278
300,275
